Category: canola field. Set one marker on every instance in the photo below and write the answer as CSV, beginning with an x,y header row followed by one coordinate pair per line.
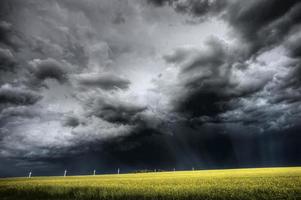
x,y
239,184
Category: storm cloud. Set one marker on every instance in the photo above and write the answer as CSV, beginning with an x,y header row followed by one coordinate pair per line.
x,y
104,81
149,84
48,69
115,111
6,59
17,96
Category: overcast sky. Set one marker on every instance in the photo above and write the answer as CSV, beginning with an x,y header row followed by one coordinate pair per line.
x,y
145,84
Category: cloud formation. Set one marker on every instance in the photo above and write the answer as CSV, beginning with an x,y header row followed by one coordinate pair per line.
x,y
115,111
104,81
215,85
16,96
120,79
49,69
6,59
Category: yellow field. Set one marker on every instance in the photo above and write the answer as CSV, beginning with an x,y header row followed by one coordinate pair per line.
x,y
262,183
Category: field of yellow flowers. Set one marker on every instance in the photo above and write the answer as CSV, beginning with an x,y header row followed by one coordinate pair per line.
x,y
240,184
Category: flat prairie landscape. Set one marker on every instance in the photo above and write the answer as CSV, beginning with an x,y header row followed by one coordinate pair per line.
x,y
240,184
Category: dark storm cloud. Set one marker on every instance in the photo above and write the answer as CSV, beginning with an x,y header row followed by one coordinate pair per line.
x,y
209,88
261,26
189,59
49,69
5,29
7,34
18,111
15,112
116,111
7,60
104,81
71,121
208,83
17,96
212,58
159,2
55,49
178,56
288,90
197,8
118,18
264,24
275,23
294,47
220,105
9,37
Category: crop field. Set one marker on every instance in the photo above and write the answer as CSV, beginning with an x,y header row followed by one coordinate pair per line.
x,y
240,184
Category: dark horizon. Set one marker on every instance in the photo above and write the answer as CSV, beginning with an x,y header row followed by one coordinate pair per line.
x,y
104,163
148,84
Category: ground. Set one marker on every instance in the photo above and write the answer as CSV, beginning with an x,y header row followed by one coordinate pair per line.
x,y
240,184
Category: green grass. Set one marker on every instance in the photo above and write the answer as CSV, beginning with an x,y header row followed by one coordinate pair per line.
x,y
240,184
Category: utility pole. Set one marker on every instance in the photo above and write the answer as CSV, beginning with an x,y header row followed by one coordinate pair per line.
x,y
65,172
94,172
29,175
118,171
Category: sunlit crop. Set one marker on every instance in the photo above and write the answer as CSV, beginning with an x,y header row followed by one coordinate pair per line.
x,y
263,183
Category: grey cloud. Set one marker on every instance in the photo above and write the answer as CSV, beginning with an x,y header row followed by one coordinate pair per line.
x,y
159,2
294,47
18,111
7,60
49,69
50,44
274,22
5,33
292,80
5,26
212,57
208,84
118,18
200,7
115,111
286,96
178,55
197,8
9,36
264,117
216,84
27,138
14,113
269,26
261,24
71,121
17,96
288,88
106,81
